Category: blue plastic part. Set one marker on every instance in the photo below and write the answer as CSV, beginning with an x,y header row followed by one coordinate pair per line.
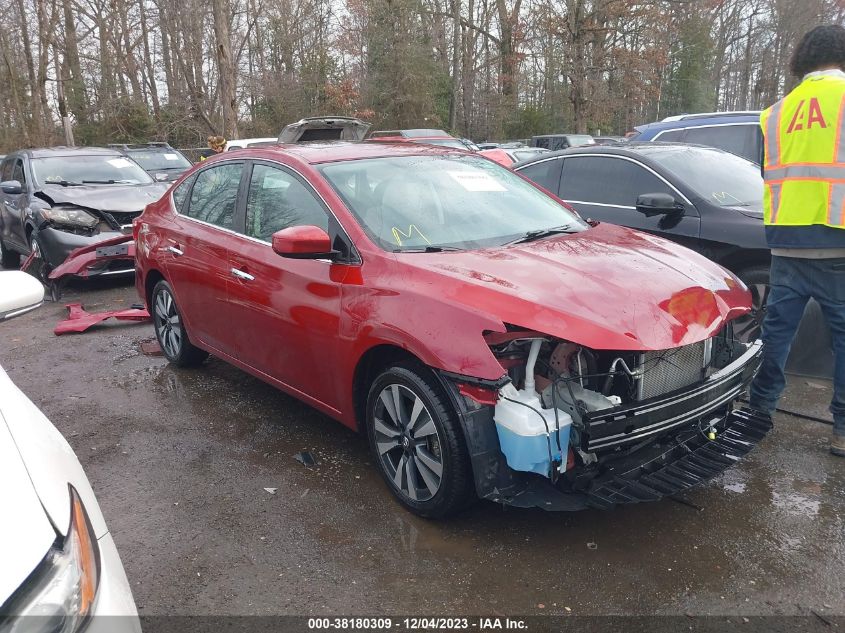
x,y
530,453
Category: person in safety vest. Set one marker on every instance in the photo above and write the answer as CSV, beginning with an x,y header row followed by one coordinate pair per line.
x,y
804,213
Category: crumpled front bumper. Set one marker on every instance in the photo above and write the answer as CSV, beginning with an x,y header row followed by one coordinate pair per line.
x,y
99,257
654,449
619,428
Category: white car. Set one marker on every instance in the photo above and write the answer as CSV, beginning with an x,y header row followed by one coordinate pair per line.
x,y
57,558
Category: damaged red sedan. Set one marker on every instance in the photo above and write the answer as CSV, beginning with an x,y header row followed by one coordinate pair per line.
x,y
487,340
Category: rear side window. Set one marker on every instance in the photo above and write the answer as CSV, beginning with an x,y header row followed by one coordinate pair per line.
x,y
545,173
215,195
607,180
742,140
180,193
278,200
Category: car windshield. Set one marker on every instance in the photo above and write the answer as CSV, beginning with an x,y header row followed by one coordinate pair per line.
x,y
158,160
414,203
719,177
93,169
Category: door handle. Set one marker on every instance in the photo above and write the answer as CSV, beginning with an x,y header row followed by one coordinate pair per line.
x,y
175,251
240,274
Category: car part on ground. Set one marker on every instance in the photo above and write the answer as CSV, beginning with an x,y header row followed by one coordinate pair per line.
x,y
61,199
59,560
78,320
431,318
328,128
161,161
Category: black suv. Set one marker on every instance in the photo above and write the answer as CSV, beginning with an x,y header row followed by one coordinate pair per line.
x,y
159,160
55,200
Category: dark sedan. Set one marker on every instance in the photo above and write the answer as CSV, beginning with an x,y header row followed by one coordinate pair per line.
x,y
704,198
59,199
159,160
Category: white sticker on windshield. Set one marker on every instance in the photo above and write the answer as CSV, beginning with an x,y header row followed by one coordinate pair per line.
x,y
171,157
476,181
120,163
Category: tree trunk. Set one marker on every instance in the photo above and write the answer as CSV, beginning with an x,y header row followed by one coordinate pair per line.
x,y
226,68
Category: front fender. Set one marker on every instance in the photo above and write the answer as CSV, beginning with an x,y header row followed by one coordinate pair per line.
x,y
442,335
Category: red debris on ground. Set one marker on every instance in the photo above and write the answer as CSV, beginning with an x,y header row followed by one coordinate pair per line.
x,y
150,347
79,320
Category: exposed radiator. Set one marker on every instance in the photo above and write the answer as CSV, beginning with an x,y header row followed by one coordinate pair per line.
x,y
667,370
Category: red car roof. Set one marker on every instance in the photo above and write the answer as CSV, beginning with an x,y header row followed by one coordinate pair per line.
x,y
315,153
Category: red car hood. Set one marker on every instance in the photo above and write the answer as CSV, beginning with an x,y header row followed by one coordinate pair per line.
x,y
605,288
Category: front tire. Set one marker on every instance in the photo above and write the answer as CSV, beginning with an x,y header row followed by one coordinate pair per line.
x,y
170,329
417,442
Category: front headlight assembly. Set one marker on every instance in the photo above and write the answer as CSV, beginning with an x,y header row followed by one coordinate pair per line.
x,y
59,595
71,216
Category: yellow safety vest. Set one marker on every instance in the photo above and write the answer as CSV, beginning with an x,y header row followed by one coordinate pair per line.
x,y
804,165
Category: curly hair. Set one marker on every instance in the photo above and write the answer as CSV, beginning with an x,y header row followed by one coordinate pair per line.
x,y
823,46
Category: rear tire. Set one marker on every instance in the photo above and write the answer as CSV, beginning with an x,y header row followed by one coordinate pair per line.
x,y
170,329
9,258
748,328
417,442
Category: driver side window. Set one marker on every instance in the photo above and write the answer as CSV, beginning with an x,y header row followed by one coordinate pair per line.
x,y
279,200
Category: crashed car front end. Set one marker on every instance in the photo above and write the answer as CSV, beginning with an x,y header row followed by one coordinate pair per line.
x,y
568,427
63,228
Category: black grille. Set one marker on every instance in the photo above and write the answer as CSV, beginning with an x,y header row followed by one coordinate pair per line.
x,y
123,218
681,466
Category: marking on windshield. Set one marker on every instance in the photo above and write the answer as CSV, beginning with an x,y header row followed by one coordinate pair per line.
x,y
724,197
398,234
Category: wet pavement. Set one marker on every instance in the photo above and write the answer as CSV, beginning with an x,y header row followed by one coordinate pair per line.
x,y
180,460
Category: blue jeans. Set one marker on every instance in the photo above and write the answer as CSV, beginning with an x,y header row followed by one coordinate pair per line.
x,y
793,282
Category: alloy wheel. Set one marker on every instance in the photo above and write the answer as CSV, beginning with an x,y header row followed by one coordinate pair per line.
x,y
167,323
408,442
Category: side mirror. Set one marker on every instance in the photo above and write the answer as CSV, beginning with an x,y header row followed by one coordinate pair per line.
x,y
12,187
652,204
303,242
161,176
19,293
